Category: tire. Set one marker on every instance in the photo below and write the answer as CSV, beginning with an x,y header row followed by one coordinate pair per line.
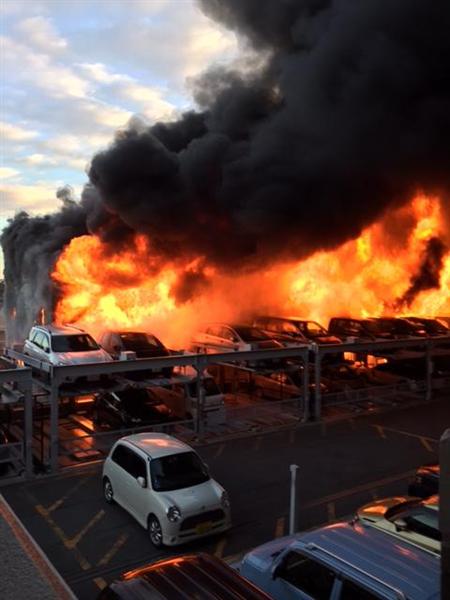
x,y
155,532
108,492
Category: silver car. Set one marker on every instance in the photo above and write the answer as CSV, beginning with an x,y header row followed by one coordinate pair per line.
x,y
63,345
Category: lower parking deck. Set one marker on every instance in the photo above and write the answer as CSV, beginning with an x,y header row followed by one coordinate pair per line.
x,y
343,464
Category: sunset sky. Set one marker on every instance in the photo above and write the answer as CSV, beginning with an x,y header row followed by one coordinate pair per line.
x,y
74,71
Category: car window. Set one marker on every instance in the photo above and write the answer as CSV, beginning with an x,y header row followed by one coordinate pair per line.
x,y
352,591
307,575
213,330
288,327
74,343
425,523
39,339
177,471
33,335
129,461
45,344
227,334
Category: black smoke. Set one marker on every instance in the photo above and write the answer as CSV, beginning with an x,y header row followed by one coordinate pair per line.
x,y
349,116
428,273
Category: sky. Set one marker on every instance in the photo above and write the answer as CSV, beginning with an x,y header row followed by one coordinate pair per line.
x,y
72,72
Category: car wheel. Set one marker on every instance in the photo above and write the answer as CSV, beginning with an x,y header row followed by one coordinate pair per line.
x,y
108,491
155,531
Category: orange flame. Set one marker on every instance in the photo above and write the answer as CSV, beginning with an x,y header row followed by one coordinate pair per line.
x,y
106,289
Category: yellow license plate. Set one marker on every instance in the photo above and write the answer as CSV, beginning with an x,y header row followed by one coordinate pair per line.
x,y
203,527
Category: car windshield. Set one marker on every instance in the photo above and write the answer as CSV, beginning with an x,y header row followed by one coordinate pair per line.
x,y
177,471
133,340
74,343
136,397
250,334
313,328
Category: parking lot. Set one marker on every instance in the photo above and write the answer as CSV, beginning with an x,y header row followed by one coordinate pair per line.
x,y
343,464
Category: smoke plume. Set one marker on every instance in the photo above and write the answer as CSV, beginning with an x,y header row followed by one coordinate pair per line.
x,y
348,116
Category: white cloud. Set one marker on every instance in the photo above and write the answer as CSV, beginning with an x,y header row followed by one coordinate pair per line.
x,y
37,69
8,172
40,33
98,72
33,198
16,133
149,99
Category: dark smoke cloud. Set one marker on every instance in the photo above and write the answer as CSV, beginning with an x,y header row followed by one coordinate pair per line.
x,y
428,274
349,116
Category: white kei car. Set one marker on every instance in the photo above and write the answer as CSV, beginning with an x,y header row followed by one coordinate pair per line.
x,y
164,484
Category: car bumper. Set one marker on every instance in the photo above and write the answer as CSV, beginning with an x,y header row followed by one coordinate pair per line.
x,y
173,536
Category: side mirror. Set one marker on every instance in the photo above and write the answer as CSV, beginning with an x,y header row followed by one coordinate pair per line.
x,y
400,525
141,481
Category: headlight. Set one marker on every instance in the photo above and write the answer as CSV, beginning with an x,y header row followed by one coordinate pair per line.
x,y
224,500
173,514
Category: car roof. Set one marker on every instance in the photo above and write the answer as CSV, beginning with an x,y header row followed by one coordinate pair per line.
x,y
373,556
60,329
156,444
200,576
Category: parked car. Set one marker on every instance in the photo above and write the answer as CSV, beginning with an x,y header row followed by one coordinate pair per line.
x,y
399,327
431,326
164,484
202,576
343,561
131,407
144,345
213,397
224,337
413,520
63,345
280,385
352,330
291,330
426,481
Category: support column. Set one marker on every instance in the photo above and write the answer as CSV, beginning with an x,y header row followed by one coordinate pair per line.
x,y
28,426
444,511
306,411
200,368
54,423
429,372
317,392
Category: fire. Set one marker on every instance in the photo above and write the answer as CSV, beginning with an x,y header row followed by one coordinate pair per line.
x,y
102,288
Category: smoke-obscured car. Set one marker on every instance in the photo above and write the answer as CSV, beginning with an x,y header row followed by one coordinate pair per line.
x,y
63,345
399,327
144,345
352,330
164,484
131,407
411,520
425,482
431,326
293,330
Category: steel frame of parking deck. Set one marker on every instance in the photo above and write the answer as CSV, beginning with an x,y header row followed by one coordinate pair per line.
x,y
58,375
17,382
428,344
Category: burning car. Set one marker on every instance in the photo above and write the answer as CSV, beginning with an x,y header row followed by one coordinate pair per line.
x,y
225,337
63,345
144,345
293,330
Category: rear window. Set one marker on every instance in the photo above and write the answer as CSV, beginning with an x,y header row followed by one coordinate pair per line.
x,y
74,343
134,340
251,334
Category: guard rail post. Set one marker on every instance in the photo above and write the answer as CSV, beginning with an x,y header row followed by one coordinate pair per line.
x,y
317,391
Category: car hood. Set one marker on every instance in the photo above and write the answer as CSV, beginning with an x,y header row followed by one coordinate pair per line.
x,y
375,511
196,498
77,358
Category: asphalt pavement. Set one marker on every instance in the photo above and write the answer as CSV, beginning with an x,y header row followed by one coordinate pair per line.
x,y
341,466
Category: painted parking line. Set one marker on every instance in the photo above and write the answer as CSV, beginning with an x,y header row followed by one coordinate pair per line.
x,y
79,536
279,527
113,550
220,547
407,433
69,493
380,431
100,582
426,444
219,451
84,564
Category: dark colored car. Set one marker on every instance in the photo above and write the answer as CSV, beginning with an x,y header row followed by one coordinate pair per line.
x,y
194,576
131,407
4,452
346,327
426,482
294,329
144,345
398,327
431,326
